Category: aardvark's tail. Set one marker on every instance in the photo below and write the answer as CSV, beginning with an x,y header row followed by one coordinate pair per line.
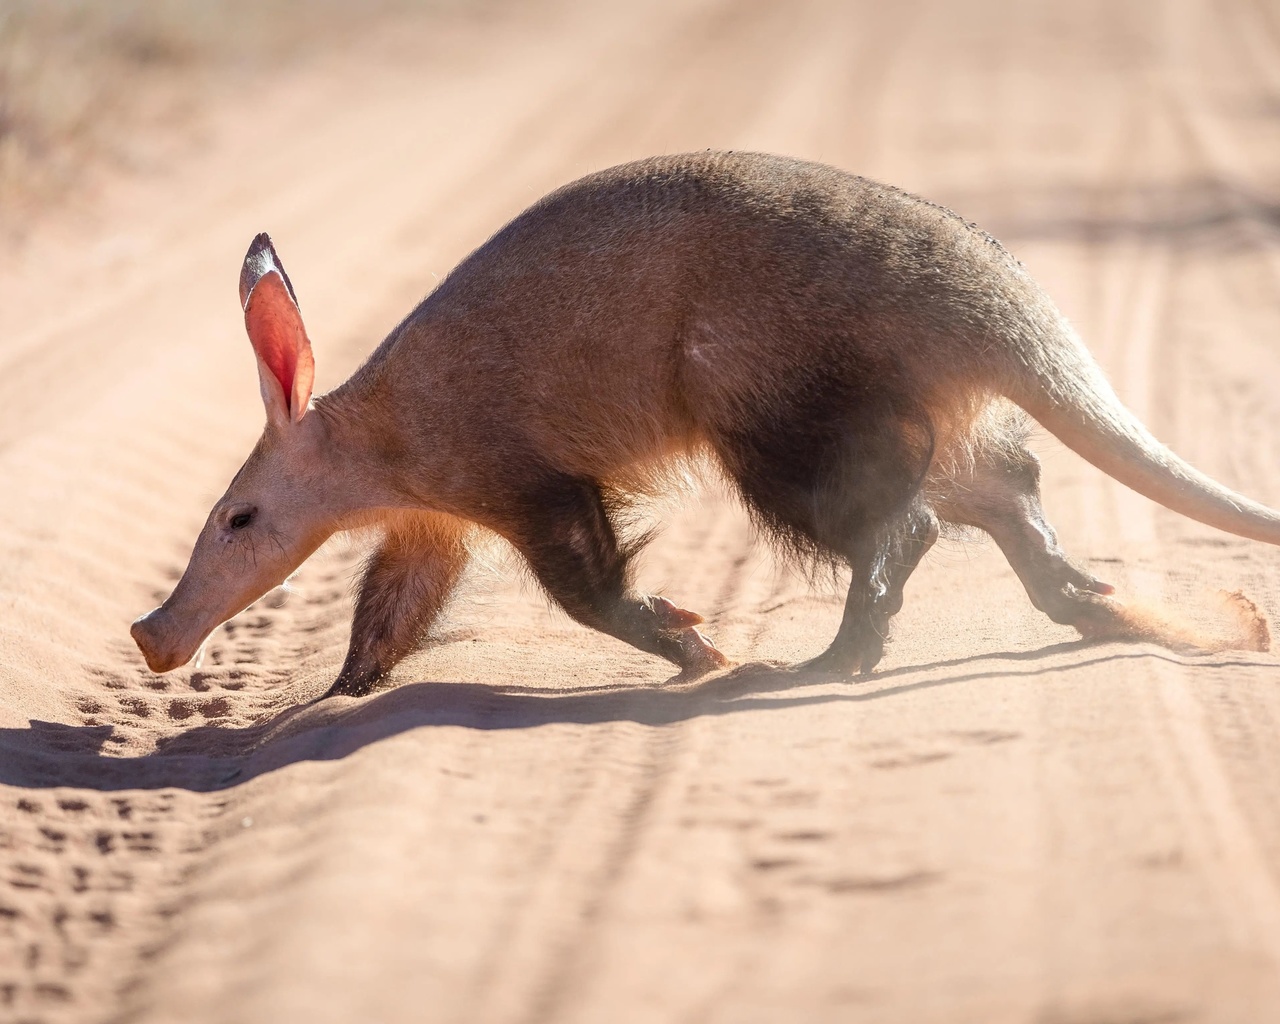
x,y
1064,389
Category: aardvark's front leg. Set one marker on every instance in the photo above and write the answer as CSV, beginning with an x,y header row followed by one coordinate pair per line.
x,y
405,585
566,536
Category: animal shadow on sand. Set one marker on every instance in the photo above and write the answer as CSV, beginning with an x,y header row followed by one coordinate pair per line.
x,y
209,758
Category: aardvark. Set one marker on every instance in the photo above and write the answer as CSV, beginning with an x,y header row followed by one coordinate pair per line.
x,y
859,363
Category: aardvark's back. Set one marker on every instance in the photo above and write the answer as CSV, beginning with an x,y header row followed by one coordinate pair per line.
x,y
684,296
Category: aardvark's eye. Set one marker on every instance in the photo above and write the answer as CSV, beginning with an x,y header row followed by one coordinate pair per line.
x,y
240,520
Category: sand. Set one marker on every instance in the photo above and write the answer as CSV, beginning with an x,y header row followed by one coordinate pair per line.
x,y
529,824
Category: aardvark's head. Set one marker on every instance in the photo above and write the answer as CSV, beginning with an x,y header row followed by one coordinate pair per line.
x,y
273,515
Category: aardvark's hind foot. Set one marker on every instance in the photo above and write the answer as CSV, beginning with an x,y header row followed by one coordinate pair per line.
x,y
1241,628
1099,618
846,660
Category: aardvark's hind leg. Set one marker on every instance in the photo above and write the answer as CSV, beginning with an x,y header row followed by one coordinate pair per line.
x,y
836,475
565,534
1003,499
406,583
881,567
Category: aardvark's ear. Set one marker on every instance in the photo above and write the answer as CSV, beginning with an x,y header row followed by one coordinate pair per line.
x,y
286,369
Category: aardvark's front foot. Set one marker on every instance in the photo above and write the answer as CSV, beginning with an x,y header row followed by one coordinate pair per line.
x,y
698,655
355,681
693,652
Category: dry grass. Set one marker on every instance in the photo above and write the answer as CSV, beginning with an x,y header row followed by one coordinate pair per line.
x,y
83,81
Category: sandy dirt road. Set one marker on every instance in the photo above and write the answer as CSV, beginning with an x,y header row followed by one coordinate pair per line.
x,y
1000,826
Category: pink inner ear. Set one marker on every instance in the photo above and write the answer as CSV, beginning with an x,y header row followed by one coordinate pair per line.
x,y
304,378
280,340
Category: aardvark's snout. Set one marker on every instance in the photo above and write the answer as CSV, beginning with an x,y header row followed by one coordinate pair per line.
x,y
158,640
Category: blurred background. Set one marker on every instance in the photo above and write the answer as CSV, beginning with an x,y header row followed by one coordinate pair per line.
x,y
1048,85
85,83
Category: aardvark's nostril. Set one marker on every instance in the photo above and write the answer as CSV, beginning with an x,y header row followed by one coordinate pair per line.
x,y
145,634
140,630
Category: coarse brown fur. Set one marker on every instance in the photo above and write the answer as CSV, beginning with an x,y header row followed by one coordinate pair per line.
x,y
847,353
